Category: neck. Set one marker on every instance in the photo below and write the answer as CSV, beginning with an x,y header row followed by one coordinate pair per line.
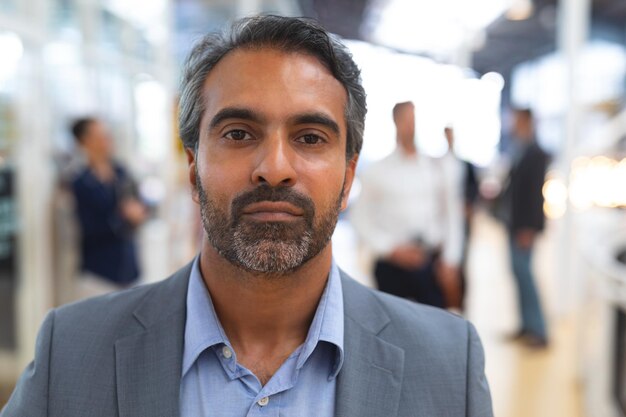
x,y
101,167
410,151
406,145
260,312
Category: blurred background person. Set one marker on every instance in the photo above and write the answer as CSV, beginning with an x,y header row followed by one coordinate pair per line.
x,y
525,219
462,178
409,214
108,211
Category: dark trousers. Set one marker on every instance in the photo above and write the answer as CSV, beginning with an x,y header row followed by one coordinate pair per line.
x,y
419,284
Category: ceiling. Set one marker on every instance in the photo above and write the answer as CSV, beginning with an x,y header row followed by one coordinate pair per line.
x,y
509,43
505,43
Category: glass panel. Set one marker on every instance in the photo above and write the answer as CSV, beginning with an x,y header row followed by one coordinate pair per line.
x,y
143,49
111,28
8,6
63,16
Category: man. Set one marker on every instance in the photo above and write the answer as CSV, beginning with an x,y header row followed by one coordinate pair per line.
x,y
409,214
462,177
525,221
108,211
262,322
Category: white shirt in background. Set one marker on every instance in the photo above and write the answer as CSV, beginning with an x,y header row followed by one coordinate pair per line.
x,y
406,198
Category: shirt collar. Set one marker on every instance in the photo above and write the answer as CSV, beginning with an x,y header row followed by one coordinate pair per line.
x,y
328,322
203,328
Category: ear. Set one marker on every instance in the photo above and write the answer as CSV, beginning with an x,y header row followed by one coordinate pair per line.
x,y
349,179
191,167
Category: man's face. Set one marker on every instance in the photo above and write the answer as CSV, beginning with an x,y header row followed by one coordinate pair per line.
x,y
449,137
270,172
405,125
523,127
97,140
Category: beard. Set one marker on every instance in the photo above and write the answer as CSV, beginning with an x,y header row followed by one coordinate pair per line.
x,y
270,247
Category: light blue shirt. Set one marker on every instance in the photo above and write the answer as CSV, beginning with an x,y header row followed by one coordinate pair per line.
x,y
215,384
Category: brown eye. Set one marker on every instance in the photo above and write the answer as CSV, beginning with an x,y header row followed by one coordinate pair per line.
x,y
238,135
310,139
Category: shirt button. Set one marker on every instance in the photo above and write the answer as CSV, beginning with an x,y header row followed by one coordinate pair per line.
x,y
227,352
263,401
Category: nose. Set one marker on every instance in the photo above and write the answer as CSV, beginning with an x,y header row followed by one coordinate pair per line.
x,y
274,165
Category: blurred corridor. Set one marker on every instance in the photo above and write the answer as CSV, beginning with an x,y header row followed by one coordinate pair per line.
x,y
464,66
523,382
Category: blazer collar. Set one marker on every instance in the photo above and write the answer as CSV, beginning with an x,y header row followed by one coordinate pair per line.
x,y
149,363
370,380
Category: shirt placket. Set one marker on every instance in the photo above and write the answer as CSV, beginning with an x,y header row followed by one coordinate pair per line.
x,y
267,401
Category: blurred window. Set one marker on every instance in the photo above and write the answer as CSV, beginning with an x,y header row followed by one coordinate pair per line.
x,y
63,16
443,95
8,6
542,85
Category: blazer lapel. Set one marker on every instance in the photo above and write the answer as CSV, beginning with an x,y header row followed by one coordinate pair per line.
x,y
370,380
149,363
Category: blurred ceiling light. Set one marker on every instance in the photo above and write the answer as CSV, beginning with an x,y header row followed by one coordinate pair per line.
x,y
495,79
520,10
555,195
599,182
422,26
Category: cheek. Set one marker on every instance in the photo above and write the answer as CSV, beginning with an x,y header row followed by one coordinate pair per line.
x,y
325,187
220,183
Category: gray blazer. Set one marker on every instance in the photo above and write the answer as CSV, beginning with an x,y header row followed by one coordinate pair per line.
x,y
121,355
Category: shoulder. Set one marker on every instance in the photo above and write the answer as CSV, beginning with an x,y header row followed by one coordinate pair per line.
x,y
120,170
80,176
104,317
536,152
410,323
415,322
115,315
434,345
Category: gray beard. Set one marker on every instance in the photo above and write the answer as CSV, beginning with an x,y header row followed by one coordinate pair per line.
x,y
267,248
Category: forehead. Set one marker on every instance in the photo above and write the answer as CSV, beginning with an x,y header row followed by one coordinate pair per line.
x,y
275,83
95,126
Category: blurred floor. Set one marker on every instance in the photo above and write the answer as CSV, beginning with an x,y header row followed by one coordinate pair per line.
x,y
5,393
523,382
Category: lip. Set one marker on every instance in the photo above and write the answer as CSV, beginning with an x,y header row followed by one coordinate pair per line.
x,y
273,210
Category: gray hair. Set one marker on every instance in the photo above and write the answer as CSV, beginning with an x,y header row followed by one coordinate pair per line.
x,y
287,34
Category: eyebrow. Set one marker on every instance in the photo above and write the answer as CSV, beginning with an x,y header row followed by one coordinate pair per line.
x,y
234,113
318,119
248,114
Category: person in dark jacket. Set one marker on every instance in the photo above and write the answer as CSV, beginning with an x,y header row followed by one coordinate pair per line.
x,y
525,221
108,211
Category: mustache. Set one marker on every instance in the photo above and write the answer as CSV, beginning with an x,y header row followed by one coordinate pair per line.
x,y
265,192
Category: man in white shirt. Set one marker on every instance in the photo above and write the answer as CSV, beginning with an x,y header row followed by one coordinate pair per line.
x,y
410,216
